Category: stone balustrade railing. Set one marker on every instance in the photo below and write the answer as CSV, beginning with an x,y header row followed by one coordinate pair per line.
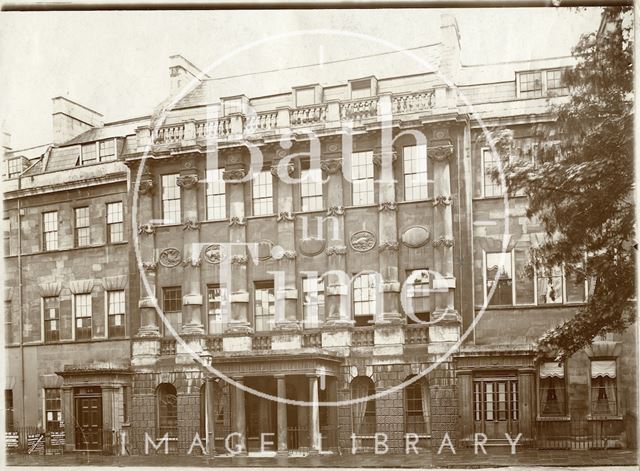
x,y
416,334
261,342
312,339
168,347
362,337
358,112
214,344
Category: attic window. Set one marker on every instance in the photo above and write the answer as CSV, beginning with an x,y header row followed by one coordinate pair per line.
x,y
88,155
361,89
531,85
107,150
14,167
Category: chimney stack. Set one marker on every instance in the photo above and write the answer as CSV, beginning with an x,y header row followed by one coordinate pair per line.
x,y
181,72
71,119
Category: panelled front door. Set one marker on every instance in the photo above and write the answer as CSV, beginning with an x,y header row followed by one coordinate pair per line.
x,y
495,406
88,414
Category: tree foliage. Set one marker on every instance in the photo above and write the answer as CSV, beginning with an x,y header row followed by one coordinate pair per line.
x,y
581,187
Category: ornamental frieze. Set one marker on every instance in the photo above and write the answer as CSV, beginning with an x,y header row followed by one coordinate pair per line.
x,y
440,153
170,257
285,216
379,155
362,241
443,241
237,221
149,266
331,166
187,181
146,229
335,211
387,206
239,260
442,200
190,225
337,250
191,261
234,176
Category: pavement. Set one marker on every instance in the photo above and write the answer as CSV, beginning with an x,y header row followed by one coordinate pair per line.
x,y
463,459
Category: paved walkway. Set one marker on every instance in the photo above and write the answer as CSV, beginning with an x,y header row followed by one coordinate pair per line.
x,y
495,457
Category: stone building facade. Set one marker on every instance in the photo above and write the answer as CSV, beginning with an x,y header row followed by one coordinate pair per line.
x,y
119,235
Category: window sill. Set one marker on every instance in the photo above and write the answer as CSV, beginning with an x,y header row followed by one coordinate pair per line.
x,y
520,307
560,418
69,341
496,198
261,216
605,417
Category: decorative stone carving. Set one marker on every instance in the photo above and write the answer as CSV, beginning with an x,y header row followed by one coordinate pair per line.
x,y
214,253
187,181
110,283
234,176
149,266
362,241
46,290
415,236
331,166
392,246
388,206
264,249
285,216
239,260
146,229
190,225
275,169
442,200
440,153
311,246
170,257
337,250
188,164
335,211
377,157
443,242
289,254
237,221
81,286
146,186
193,261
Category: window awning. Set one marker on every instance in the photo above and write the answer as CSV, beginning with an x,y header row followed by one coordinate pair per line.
x,y
551,369
603,368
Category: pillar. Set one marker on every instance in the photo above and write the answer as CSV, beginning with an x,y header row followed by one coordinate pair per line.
x,y
527,403
210,415
314,416
68,415
282,416
448,327
235,175
239,419
465,403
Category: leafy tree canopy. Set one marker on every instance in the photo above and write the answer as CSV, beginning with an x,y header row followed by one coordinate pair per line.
x,y
581,188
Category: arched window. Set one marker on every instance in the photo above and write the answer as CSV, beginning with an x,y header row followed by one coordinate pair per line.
x,y
363,413
167,412
364,298
417,409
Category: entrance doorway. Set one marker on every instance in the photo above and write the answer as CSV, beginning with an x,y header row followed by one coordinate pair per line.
x,y
495,406
88,418
261,414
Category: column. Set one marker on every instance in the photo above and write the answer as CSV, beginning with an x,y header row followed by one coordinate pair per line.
x,y
146,345
337,334
68,415
465,403
314,416
440,154
282,416
192,295
210,415
527,403
235,266
239,417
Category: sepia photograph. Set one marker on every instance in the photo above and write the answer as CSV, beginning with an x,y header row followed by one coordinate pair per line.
x,y
239,236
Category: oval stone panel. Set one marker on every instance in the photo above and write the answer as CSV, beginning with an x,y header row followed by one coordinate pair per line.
x,y
415,236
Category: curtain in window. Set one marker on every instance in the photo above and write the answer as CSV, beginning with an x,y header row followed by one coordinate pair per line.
x,y
426,405
359,389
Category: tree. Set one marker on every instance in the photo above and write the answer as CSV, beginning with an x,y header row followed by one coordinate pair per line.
x,y
581,188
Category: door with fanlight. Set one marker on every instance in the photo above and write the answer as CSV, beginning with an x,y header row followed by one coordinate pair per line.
x,y
88,417
496,409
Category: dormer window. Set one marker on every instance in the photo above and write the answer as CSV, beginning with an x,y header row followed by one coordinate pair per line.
x,y
107,150
88,153
540,83
531,85
14,167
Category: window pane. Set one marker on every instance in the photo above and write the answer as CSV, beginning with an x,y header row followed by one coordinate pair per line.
x,y
498,273
107,150
531,84
50,230
171,199
264,307
524,283
550,286
491,162
311,189
362,178
216,194
89,153
262,185
415,172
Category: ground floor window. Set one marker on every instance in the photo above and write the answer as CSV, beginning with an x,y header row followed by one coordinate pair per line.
x,y
552,390
495,399
8,409
53,408
167,422
417,408
604,387
363,413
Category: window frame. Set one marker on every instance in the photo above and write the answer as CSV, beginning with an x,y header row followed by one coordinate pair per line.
x,y
9,408
369,182
76,298
370,276
111,226
46,320
269,287
223,317
412,174
313,184
164,201
95,159
617,412
210,193
109,315
565,391
77,227
269,199
169,309
99,155
45,245
486,290
319,306
46,409
483,174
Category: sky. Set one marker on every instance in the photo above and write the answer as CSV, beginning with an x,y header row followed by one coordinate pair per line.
x,y
116,62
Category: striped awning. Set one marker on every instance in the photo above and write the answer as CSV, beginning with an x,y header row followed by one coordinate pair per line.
x,y
603,368
551,369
